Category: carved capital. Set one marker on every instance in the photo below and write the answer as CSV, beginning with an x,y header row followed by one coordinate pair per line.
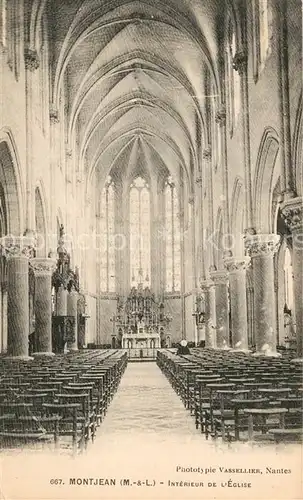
x,y
292,211
221,116
69,153
206,284
219,277
206,155
240,62
43,266
54,116
18,246
191,200
232,264
79,177
199,180
261,245
31,59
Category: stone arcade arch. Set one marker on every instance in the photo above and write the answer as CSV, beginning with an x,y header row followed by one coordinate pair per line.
x,y
11,221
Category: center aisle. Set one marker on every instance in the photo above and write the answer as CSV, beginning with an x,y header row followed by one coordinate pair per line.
x,y
146,404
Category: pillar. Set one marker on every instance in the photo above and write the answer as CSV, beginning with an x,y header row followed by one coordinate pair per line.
x,y
31,63
261,248
220,278
72,310
43,269
292,213
208,288
18,250
238,305
240,64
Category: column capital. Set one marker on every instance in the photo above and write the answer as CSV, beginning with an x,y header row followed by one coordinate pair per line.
x,y
43,266
206,284
199,180
261,245
31,59
18,246
206,154
292,212
220,117
219,277
54,115
240,61
233,264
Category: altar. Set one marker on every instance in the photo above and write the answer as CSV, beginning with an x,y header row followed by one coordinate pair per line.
x,y
140,322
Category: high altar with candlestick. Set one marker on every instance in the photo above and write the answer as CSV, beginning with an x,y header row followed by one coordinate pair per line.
x,y
140,321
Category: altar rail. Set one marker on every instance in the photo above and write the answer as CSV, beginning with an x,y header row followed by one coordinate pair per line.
x,y
141,354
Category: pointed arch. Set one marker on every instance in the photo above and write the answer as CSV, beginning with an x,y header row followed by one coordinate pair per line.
x,y
11,180
265,178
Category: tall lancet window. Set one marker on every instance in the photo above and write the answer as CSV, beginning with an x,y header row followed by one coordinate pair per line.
x,y
139,206
173,236
107,229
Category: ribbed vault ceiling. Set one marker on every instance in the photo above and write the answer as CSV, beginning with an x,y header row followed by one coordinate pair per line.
x,y
135,74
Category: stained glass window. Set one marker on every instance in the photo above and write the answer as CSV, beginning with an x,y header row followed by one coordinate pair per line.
x,y
173,238
139,206
107,231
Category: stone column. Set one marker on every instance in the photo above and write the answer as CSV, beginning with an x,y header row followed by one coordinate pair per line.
x,y
261,248
18,250
292,212
238,306
72,310
240,64
43,269
31,63
220,278
208,288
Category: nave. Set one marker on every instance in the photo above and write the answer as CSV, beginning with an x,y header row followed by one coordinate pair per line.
x,y
148,431
62,403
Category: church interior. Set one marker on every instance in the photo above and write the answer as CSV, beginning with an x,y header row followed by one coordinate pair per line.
x,y
150,217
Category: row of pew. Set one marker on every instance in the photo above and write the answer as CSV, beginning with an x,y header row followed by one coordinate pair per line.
x,y
58,400
238,396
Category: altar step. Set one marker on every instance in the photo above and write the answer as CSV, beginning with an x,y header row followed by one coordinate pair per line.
x,y
141,360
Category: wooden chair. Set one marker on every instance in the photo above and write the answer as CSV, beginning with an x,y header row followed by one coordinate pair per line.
x,y
69,423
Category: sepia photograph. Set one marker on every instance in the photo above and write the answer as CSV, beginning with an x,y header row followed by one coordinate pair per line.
x,y
151,249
